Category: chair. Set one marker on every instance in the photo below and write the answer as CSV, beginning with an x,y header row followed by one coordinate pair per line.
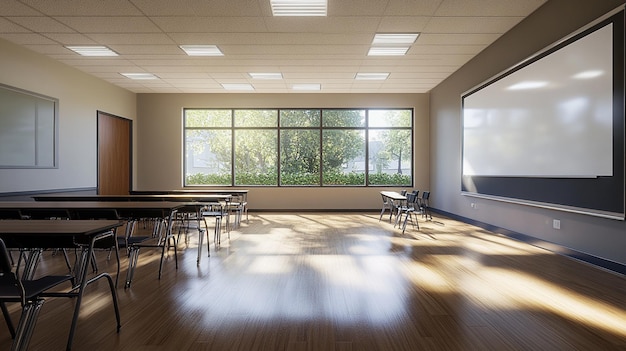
x,y
406,205
110,245
29,293
387,205
411,209
161,238
425,205
239,206
51,214
218,211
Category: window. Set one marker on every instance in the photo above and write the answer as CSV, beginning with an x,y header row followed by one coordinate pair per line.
x,y
298,147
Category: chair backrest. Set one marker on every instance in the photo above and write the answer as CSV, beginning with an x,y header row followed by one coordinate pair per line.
x,y
411,198
5,260
6,213
40,213
92,213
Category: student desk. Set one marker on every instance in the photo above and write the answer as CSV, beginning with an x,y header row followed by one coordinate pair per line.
x,y
38,234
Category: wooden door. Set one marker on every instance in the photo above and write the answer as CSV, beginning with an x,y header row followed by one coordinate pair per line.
x,y
114,154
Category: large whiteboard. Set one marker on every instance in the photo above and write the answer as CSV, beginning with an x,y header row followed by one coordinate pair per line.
x,y
28,129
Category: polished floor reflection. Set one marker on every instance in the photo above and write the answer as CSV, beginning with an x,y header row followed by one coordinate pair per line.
x,y
331,281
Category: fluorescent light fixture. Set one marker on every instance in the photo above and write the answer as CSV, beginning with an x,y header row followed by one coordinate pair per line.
x,y
92,50
237,86
388,51
306,87
299,7
266,75
140,76
371,76
201,50
394,38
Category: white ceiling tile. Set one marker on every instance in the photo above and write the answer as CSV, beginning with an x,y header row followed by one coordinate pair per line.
x,y
471,24
412,8
136,38
201,8
488,7
110,24
41,24
402,24
325,50
26,38
16,8
7,26
84,7
210,24
70,38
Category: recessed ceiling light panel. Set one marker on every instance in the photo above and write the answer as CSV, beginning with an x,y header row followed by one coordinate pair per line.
x,y
371,76
299,7
310,87
277,75
140,76
92,50
237,86
387,51
394,38
201,50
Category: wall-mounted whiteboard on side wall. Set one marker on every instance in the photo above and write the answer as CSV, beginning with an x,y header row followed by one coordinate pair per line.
x,y
28,129
549,132
552,118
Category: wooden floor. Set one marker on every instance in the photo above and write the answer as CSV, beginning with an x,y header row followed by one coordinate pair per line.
x,y
329,281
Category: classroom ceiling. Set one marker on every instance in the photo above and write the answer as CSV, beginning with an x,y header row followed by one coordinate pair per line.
x,y
328,50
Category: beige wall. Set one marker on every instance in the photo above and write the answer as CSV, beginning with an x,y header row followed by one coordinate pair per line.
x,y
159,144
80,96
604,238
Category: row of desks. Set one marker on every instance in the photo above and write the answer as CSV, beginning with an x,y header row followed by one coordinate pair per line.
x,y
25,234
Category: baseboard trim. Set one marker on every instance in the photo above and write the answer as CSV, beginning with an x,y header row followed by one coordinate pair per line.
x,y
28,194
612,266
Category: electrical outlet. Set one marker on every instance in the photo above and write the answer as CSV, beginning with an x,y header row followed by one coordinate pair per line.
x,y
556,224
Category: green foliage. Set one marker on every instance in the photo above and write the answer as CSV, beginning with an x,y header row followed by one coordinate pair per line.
x,y
299,179
249,178
389,179
208,179
338,178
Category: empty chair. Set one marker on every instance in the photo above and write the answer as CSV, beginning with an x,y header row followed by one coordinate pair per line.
x,y
402,208
411,210
162,237
218,211
387,205
110,244
425,205
29,293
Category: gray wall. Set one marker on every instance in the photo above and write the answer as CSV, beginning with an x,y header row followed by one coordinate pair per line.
x,y
80,96
603,238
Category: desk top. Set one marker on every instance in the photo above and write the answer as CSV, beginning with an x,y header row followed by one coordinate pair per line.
x,y
56,227
393,195
73,205
146,197
190,192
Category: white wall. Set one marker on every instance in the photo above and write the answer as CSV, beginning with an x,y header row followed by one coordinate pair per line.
x,y
603,238
80,96
160,142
